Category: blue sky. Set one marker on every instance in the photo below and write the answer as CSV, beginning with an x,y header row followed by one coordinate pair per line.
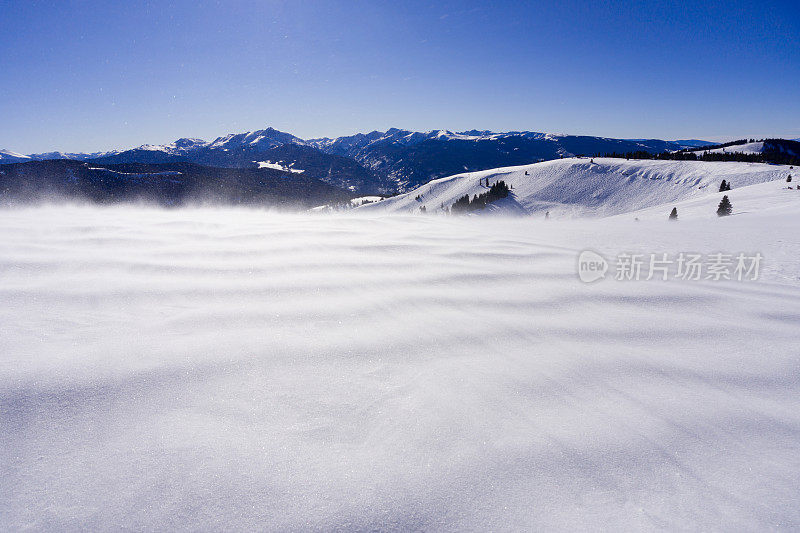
x,y
90,75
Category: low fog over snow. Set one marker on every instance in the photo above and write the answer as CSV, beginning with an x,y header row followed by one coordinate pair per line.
x,y
232,369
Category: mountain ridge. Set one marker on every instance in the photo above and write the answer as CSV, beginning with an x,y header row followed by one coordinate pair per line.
x,y
581,187
378,162
168,184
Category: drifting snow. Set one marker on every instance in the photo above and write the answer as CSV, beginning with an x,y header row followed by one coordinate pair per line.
x,y
579,187
236,370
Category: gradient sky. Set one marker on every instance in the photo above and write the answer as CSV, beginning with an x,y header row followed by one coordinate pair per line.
x,y
91,75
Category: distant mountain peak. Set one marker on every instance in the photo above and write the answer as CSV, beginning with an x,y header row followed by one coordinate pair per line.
x,y
263,139
187,142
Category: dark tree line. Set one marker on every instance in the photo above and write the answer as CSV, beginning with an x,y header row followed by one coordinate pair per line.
x,y
479,201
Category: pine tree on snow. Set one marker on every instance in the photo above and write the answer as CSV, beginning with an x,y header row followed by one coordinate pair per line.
x,y
674,214
725,208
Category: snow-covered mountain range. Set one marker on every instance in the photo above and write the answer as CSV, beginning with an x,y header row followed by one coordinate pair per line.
x,y
7,156
408,158
386,162
392,161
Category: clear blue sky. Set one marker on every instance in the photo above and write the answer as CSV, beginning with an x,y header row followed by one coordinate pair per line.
x,y
91,75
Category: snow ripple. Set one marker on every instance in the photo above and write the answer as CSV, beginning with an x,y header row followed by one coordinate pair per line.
x,y
237,370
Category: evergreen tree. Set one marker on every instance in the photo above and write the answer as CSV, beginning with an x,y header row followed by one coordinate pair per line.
x,y
461,205
789,178
674,214
723,186
725,208
728,187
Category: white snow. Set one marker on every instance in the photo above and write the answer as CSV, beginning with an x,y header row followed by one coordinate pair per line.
x,y
221,141
230,369
175,148
579,187
362,200
9,154
774,197
278,166
136,174
746,148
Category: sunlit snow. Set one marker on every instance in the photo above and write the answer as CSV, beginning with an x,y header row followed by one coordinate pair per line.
x,y
229,369
278,166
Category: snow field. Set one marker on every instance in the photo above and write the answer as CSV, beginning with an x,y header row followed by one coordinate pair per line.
x,y
230,369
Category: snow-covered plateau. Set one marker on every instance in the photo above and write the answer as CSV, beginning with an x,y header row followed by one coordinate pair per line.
x,y
224,369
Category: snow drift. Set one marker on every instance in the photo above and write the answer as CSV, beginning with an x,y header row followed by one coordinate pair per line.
x,y
236,370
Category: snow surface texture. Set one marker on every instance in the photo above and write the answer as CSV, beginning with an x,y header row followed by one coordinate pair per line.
x,y
579,187
228,369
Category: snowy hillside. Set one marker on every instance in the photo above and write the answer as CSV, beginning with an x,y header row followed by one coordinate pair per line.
x,y
7,156
746,148
236,370
774,149
585,187
773,197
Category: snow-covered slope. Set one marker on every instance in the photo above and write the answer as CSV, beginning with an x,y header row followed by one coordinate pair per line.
x,y
585,187
255,140
774,148
746,148
7,156
179,147
77,156
774,197
233,370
